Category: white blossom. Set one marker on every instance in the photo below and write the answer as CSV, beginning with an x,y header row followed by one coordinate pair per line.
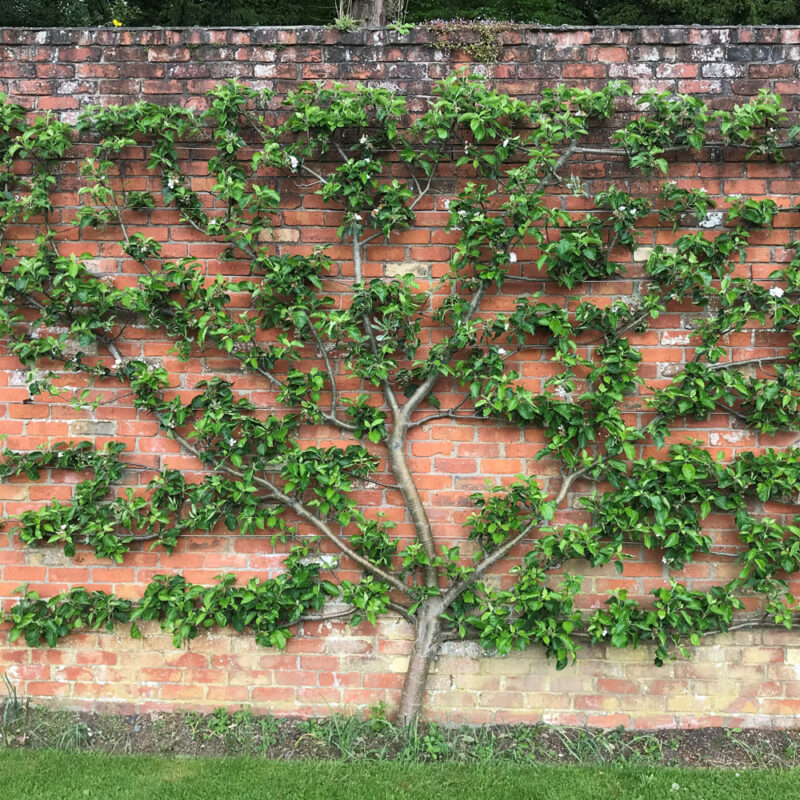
x,y
505,142
293,162
231,442
357,217
364,139
604,632
512,258
502,351
776,291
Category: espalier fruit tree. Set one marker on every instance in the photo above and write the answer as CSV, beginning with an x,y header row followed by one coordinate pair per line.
x,y
367,360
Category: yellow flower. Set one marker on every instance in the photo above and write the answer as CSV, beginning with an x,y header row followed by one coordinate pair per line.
x,y
116,23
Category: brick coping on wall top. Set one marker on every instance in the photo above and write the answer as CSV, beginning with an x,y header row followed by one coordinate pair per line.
x,y
647,33
516,34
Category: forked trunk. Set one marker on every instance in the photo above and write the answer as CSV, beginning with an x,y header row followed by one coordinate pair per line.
x,y
426,649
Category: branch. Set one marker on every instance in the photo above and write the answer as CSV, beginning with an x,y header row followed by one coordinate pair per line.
x,y
324,528
348,612
364,480
391,399
449,414
737,414
621,151
34,302
270,377
428,183
313,173
635,322
760,623
530,279
401,610
299,509
399,462
745,362
397,440
136,537
421,190
396,445
552,175
745,624
425,388
111,347
328,417
324,353
331,417
458,588
427,385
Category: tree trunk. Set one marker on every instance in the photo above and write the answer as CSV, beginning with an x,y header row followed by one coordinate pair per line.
x,y
370,12
426,649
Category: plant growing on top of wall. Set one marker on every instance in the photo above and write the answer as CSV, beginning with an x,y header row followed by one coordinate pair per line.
x,y
368,361
481,39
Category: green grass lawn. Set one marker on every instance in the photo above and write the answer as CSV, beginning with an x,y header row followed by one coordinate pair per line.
x,y
49,775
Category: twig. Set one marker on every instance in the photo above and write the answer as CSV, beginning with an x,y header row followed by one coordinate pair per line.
x,y
737,414
449,414
330,417
313,173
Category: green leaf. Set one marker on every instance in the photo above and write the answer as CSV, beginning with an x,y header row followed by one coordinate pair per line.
x,y
630,450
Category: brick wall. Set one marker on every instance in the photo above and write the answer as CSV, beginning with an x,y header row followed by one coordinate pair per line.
x,y
746,678
750,678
